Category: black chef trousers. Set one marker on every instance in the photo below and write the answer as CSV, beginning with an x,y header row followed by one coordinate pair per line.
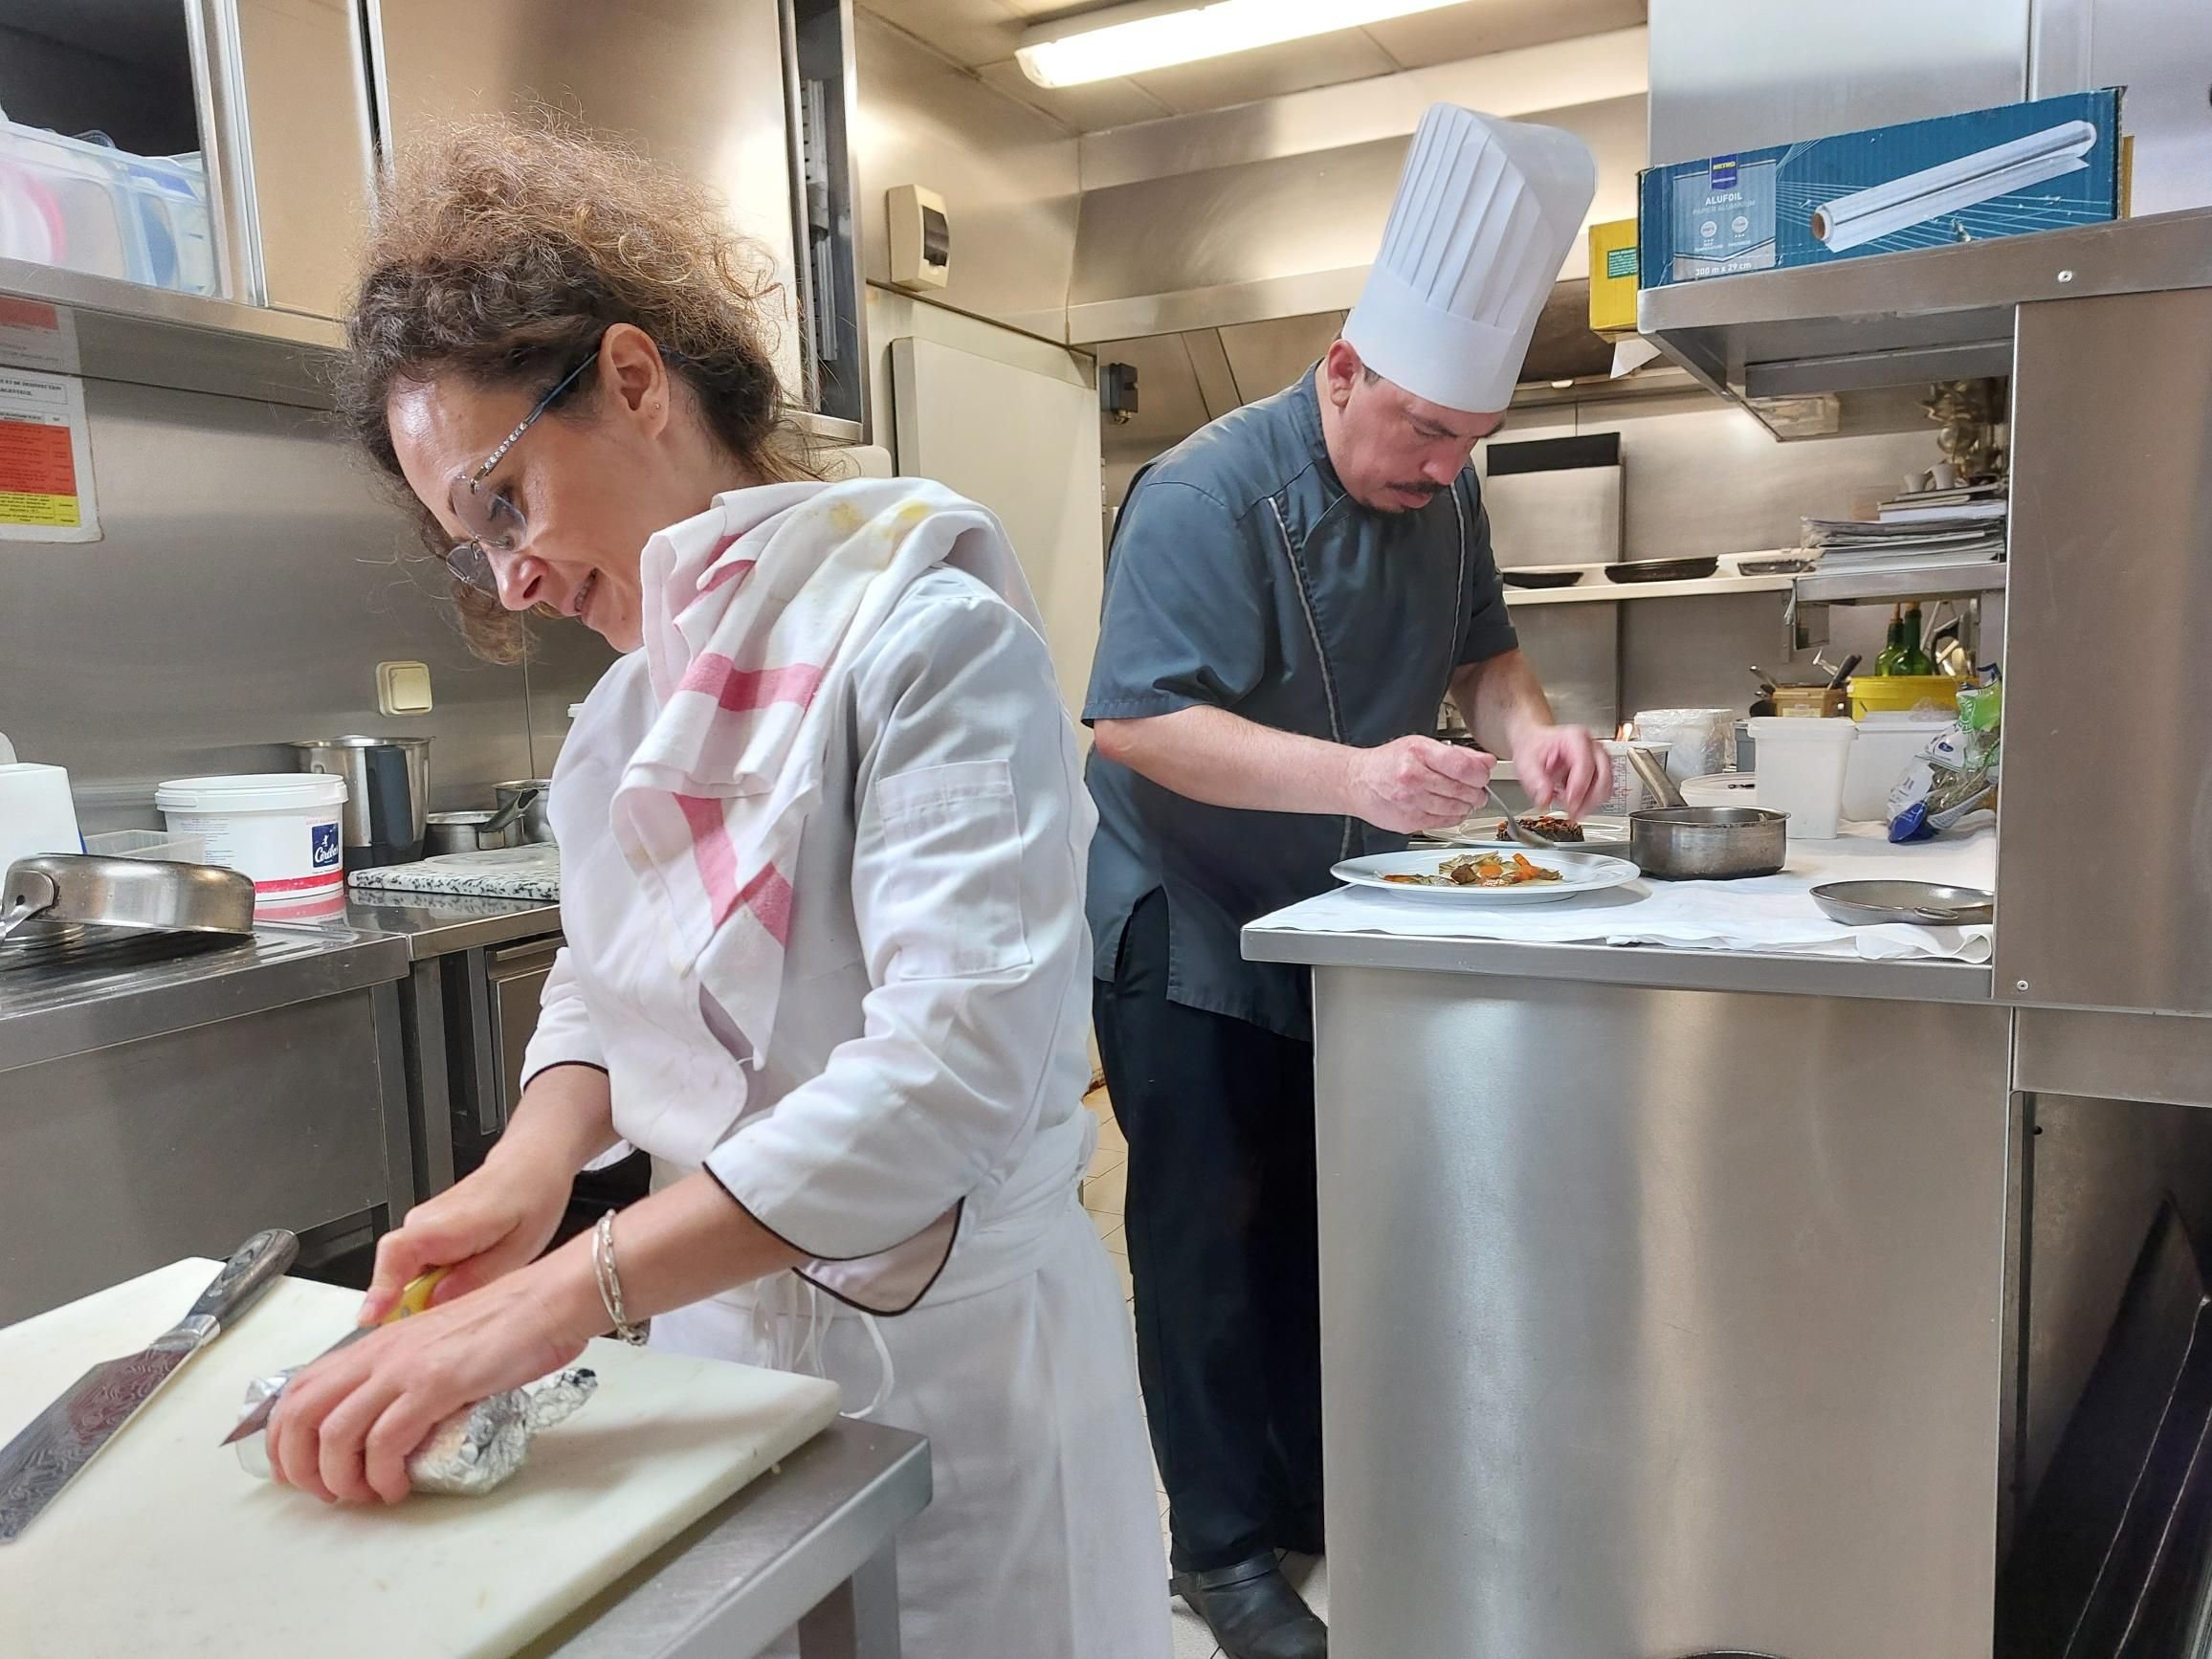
x,y
1219,1115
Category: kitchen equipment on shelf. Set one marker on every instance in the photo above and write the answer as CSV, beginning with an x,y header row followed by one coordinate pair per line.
x,y
388,783
1698,742
1540,578
1721,790
537,812
1707,843
36,813
1918,903
1663,569
1887,745
1935,694
46,1455
91,900
445,833
281,829
1801,764
1581,873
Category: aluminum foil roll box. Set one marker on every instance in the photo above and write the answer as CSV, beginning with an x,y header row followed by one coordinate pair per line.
x,y
2020,167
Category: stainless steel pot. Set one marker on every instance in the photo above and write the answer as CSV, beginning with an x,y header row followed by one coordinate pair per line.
x,y
388,793
60,892
537,812
1707,843
445,832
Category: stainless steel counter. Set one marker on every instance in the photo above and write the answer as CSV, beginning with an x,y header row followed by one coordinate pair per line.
x,y
1664,1309
1648,965
439,924
51,1012
810,1545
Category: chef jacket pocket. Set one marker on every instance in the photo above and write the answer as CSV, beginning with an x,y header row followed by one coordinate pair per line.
x,y
947,890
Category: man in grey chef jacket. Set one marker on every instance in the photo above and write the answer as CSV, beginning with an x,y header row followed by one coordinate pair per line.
x,y
1291,594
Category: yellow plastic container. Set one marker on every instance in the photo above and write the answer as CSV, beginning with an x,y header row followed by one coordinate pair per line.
x,y
1903,694
1613,279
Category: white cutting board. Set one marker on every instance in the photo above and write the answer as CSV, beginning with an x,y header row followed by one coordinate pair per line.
x,y
164,1545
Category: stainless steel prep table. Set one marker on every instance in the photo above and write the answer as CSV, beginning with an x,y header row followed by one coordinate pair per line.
x,y
1660,1311
811,1545
151,1109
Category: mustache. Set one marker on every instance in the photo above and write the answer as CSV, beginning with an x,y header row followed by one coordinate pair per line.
x,y
1421,487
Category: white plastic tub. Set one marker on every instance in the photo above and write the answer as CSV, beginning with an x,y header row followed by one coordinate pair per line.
x,y
1801,765
1887,747
280,829
1721,790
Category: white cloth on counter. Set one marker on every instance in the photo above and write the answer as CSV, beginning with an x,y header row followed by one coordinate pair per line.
x,y
915,1120
1767,913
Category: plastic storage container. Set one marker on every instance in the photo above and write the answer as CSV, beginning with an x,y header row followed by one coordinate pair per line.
x,y
280,829
1904,693
85,207
163,845
37,813
1887,745
1801,771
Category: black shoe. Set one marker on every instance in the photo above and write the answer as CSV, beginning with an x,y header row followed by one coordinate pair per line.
x,y
1252,1612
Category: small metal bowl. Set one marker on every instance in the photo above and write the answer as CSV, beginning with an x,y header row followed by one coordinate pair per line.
x,y
1912,903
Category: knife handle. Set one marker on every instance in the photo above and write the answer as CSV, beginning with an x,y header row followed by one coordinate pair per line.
x,y
252,1267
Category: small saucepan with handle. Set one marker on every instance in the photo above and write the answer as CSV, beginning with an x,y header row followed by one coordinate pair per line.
x,y
1671,842
109,898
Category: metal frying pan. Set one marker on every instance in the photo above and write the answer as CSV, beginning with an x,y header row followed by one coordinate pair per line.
x,y
116,896
1673,842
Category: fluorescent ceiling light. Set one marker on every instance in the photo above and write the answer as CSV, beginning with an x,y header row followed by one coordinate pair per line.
x,y
1132,40
1870,215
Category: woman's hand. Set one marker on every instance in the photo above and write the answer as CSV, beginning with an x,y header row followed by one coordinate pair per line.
x,y
345,1427
497,1220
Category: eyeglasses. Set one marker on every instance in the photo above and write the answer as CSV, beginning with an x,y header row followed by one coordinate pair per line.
x,y
495,524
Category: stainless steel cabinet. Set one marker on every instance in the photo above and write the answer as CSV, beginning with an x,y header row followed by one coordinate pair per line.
x,y
696,84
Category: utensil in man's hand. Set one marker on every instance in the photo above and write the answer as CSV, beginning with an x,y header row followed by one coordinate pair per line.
x,y
1520,833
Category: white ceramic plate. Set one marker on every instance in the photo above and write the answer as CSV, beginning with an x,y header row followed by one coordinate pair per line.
x,y
1582,873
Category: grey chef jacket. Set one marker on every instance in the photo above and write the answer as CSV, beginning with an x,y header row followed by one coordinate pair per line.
x,y
1244,578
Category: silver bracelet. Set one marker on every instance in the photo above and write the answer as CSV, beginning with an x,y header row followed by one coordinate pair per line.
x,y
603,1268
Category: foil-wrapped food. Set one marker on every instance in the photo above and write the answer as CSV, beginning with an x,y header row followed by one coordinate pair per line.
x,y
472,1452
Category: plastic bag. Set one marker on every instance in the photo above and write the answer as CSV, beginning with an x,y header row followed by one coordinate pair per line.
x,y
1954,783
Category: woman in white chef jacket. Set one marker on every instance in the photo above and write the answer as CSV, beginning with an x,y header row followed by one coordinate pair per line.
x,y
823,835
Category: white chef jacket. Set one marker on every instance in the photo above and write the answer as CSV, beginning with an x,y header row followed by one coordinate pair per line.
x,y
923,1087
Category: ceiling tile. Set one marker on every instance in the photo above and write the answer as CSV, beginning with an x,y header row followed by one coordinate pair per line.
x,y
1267,71
1479,26
1090,108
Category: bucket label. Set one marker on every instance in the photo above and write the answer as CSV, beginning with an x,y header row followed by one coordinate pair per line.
x,y
327,851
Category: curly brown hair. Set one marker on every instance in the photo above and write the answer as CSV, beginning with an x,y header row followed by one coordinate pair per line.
x,y
502,250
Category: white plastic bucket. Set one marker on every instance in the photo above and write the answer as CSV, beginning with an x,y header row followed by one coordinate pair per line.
x,y
279,828
1801,765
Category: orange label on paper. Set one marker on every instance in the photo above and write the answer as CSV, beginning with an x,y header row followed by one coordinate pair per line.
x,y
28,313
35,460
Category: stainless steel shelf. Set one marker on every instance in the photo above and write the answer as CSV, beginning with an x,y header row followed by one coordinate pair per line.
x,y
126,331
1596,590
1921,582
1900,319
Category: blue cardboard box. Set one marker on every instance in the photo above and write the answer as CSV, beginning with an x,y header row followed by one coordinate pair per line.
x,y
1925,183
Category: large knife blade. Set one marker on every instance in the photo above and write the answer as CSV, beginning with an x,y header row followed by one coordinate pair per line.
x,y
57,1443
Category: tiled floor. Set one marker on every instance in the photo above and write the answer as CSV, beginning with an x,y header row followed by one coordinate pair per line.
x,y
1103,1192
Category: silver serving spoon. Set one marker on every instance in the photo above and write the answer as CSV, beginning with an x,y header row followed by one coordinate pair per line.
x,y
1520,833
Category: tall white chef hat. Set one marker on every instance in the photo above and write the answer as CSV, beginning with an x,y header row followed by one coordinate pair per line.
x,y
1485,212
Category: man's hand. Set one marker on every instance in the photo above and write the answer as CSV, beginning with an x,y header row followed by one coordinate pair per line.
x,y
1563,766
1417,784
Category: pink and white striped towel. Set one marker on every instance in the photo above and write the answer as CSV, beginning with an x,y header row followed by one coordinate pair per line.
x,y
752,609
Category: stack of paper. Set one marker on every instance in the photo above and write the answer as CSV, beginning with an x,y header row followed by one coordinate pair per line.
x,y
1963,525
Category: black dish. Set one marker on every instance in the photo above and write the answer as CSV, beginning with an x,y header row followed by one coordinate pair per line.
x,y
1663,570
1540,578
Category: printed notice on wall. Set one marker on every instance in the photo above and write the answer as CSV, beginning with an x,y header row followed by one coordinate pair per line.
x,y
37,336
45,459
